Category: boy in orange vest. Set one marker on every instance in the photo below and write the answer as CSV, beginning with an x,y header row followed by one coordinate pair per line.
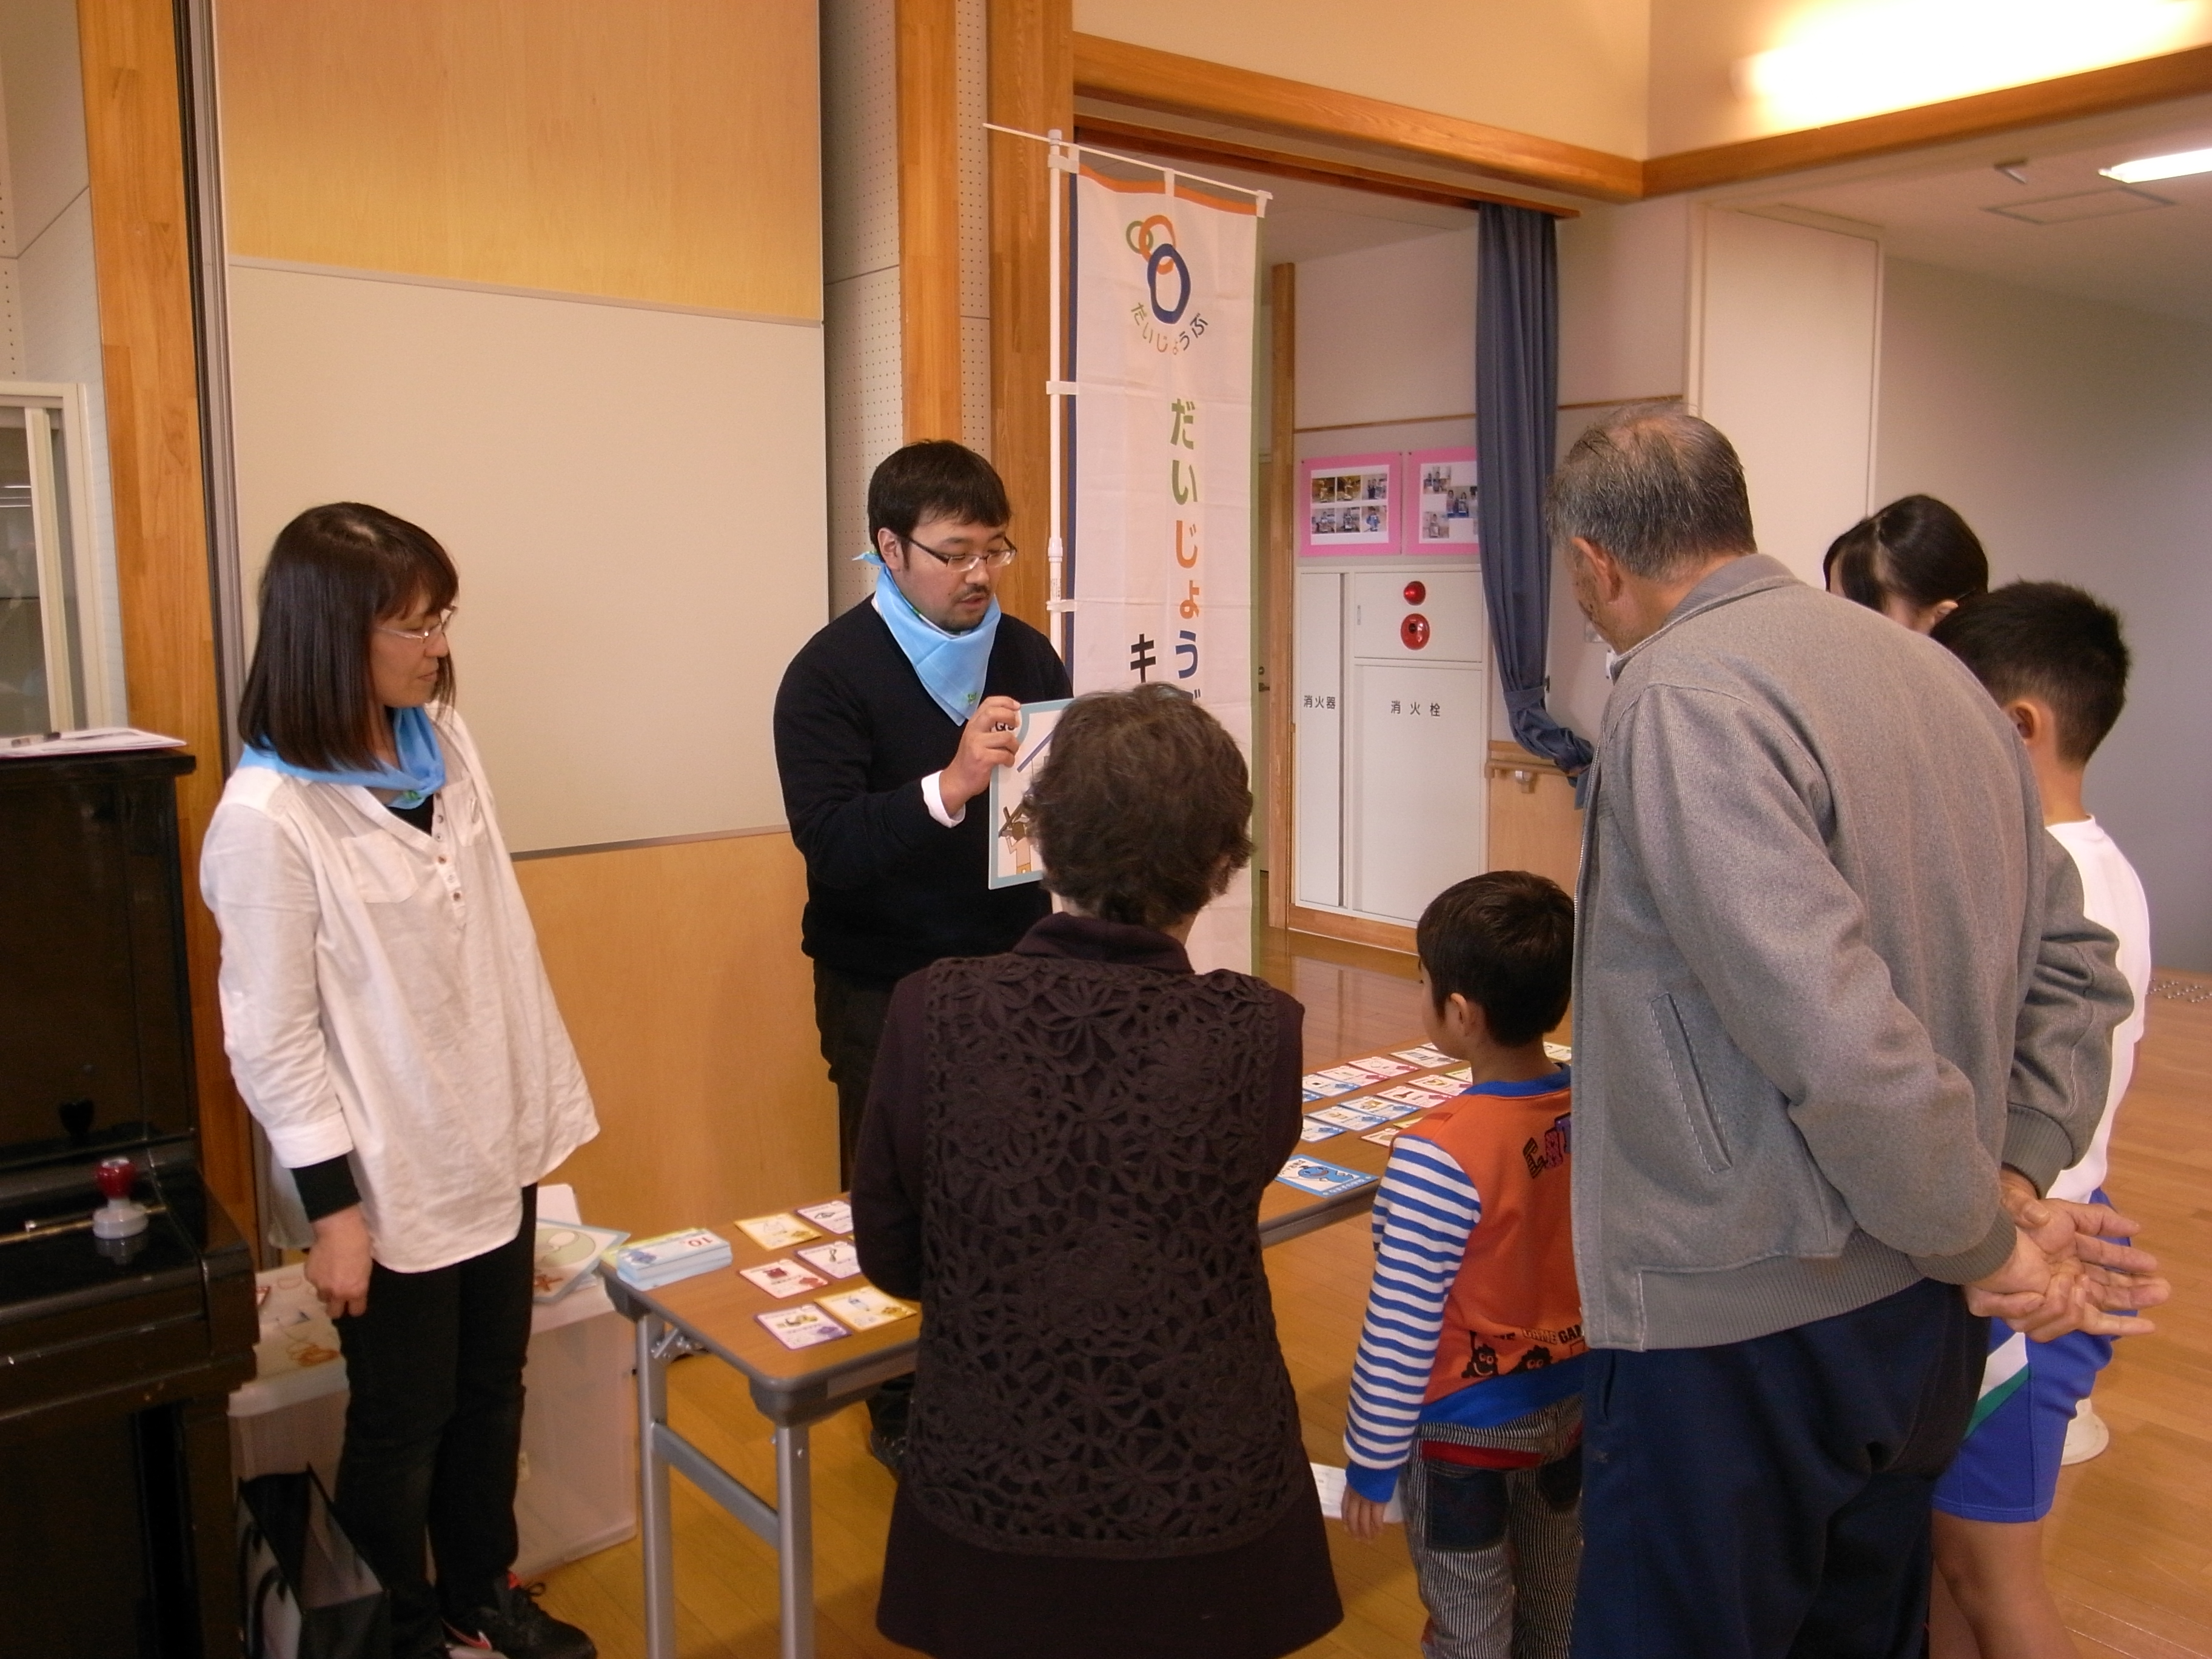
x,y
1465,1395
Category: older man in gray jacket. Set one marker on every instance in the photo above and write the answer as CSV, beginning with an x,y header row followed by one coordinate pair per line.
x,y
1834,999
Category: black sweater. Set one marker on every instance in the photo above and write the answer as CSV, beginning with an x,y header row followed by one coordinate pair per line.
x,y
889,889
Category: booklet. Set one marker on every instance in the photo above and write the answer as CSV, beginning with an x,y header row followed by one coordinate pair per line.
x,y
840,1258
783,1278
866,1307
801,1326
832,1215
1311,1175
777,1232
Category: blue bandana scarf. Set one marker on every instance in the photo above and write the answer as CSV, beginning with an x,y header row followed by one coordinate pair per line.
x,y
419,776
951,666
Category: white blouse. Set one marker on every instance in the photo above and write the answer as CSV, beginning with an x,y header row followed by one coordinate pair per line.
x,y
382,996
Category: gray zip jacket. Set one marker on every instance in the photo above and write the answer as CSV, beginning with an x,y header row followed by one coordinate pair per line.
x,y
1830,972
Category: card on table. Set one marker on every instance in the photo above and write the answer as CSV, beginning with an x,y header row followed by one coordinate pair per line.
x,y
1311,1175
777,1232
832,1215
801,1326
1349,1117
864,1307
840,1258
1424,1056
1313,1129
784,1278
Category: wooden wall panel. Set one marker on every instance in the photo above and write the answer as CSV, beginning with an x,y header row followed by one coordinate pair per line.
x,y
666,152
135,145
678,971
1033,89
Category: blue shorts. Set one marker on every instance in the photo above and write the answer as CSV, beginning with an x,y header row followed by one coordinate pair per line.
x,y
2006,1468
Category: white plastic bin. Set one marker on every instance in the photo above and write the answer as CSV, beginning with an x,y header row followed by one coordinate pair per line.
x,y
579,1488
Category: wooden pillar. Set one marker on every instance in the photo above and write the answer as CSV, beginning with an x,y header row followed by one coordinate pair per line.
x,y
929,220
1279,586
1033,89
134,142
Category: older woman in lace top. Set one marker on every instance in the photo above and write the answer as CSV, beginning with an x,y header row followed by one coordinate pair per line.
x,y
1063,1157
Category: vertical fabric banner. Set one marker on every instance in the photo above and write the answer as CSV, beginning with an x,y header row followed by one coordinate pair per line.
x,y
1160,557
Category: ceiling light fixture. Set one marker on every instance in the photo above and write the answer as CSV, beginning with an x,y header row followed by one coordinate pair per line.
x,y
2179,165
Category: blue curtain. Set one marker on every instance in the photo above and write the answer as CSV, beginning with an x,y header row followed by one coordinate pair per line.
x,y
1516,378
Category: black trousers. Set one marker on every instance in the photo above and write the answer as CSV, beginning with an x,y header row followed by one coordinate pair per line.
x,y
433,1429
1769,1499
848,1012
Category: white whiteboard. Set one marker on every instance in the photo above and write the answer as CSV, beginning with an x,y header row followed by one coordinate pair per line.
x,y
636,499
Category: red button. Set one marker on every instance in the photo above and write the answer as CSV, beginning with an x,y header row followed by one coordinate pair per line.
x,y
1414,631
1416,592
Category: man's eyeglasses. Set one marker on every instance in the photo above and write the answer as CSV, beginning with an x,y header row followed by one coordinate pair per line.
x,y
422,636
998,557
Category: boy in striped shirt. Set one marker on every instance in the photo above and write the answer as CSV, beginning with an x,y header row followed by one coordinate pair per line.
x,y
1465,1396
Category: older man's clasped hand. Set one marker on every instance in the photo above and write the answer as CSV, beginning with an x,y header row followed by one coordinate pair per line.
x,y
2070,1269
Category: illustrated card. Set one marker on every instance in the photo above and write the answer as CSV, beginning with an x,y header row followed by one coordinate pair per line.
x,y
1348,1117
833,1215
864,1307
1013,840
1312,1174
784,1278
1424,1056
777,1232
801,1326
1318,1085
1313,1129
840,1258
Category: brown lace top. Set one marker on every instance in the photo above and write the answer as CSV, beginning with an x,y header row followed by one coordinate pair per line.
x,y
1063,1159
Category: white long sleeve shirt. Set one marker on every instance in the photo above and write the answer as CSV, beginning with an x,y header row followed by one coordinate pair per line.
x,y
382,996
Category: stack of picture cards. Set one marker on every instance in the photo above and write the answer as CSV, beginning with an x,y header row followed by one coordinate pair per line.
x,y
671,1256
1311,1175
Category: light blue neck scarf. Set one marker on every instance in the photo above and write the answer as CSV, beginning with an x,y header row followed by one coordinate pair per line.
x,y
951,666
420,775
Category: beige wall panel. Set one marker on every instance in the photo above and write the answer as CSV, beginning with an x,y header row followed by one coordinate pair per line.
x,y
1572,70
678,971
664,151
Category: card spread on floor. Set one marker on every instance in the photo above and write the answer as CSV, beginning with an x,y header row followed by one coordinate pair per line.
x,y
1349,1117
866,1307
1311,1175
802,1326
1426,1055
777,1232
1385,1065
1387,1134
840,1258
784,1278
1313,1129
833,1216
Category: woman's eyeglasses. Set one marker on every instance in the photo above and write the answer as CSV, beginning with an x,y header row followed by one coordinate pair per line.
x,y
422,636
998,558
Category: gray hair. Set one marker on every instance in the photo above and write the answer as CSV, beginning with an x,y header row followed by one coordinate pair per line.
x,y
1657,489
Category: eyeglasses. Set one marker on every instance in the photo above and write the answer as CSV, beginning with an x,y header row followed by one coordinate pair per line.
x,y
422,636
998,558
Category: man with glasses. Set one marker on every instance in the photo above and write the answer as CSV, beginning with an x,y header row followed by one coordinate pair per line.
x,y
887,725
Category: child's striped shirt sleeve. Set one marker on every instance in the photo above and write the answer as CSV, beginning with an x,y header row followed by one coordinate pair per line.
x,y
1425,1213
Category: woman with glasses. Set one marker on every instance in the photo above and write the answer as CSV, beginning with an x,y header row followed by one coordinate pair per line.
x,y
391,1027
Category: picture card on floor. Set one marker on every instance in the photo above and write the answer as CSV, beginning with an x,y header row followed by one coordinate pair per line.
x,y
866,1307
784,1278
777,1232
840,1258
1311,1175
833,1215
1424,1056
801,1326
1312,1129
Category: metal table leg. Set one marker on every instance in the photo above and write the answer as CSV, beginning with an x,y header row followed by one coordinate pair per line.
x,y
794,1541
654,1523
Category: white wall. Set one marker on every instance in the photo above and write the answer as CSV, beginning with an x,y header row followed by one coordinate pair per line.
x,y
2077,440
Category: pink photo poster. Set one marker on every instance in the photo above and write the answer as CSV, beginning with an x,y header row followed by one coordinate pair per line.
x,y
1350,504
1440,502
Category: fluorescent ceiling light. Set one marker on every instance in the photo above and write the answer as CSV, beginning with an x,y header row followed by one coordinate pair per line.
x,y
2179,165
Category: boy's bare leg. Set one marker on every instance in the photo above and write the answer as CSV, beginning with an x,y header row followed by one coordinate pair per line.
x,y
1990,1573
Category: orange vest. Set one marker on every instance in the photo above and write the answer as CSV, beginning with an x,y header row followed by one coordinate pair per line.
x,y
1514,1304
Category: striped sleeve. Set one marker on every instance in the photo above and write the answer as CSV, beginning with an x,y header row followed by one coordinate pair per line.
x,y
1425,1212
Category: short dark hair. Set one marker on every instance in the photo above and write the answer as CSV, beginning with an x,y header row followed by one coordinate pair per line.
x,y
1656,488
935,478
333,574
1143,809
1917,549
1506,941
2052,642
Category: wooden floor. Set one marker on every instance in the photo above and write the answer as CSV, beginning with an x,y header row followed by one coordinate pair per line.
x,y
2131,1544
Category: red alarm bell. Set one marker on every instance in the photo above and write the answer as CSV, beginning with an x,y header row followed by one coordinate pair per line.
x,y
1416,592
1414,631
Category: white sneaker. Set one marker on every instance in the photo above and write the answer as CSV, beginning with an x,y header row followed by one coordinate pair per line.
x,y
2086,1435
